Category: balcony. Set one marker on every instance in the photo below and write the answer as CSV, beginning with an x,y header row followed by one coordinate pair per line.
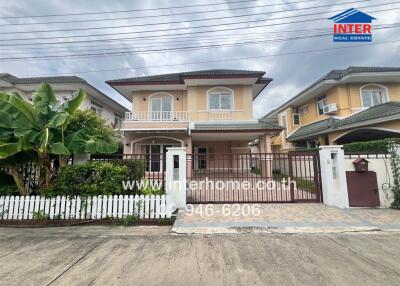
x,y
164,116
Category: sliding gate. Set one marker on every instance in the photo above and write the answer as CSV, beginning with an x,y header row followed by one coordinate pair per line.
x,y
260,177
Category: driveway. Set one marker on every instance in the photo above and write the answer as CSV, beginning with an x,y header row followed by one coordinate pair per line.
x,y
151,256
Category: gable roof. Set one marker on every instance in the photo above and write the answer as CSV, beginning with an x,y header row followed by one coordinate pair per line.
x,y
376,114
60,80
38,80
333,75
352,16
179,77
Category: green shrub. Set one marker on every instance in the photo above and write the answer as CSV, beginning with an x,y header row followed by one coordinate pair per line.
x,y
9,190
7,185
136,168
90,178
380,146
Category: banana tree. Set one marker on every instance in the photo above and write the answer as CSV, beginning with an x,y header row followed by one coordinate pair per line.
x,y
39,127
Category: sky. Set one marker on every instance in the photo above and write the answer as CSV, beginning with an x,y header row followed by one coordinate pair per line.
x,y
288,39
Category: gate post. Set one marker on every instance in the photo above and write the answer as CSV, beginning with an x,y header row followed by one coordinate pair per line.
x,y
175,175
333,176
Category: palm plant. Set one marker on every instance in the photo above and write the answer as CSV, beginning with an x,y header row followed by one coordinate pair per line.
x,y
39,127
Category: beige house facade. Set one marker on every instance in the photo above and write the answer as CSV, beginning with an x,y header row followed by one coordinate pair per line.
x,y
206,112
353,104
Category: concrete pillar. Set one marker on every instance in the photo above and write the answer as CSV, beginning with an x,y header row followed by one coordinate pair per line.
x,y
265,159
175,175
333,176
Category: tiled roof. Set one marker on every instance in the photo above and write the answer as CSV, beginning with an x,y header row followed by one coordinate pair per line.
x,y
337,75
178,77
378,111
382,112
234,126
312,129
37,80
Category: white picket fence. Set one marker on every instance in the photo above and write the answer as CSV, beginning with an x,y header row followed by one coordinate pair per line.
x,y
96,207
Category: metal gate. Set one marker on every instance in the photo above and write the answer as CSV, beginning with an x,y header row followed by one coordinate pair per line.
x,y
251,178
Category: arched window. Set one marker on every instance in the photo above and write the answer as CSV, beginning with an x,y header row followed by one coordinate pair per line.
x,y
373,94
161,106
220,98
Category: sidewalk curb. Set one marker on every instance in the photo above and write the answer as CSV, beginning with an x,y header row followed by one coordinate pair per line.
x,y
270,230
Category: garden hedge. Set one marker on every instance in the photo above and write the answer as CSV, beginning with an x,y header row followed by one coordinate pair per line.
x,y
96,178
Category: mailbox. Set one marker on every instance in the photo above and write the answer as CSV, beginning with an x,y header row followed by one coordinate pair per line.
x,y
360,165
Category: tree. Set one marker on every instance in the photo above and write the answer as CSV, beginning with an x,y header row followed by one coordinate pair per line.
x,y
39,127
97,132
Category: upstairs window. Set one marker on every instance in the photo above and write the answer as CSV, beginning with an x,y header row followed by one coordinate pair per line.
x,y
296,119
96,108
373,95
284,124
321,102
117,120
220,99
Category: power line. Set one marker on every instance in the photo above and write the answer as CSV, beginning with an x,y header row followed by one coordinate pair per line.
x,y
159,15
228,42
179,22
148,51
196,32
174,49
124,11
189,28
176,39
222,60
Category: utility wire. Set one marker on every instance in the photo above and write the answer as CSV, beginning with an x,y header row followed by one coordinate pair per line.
x,y
196,32
147,49
192,27
151,51
159,15
222,60
180,22
181,39
124,11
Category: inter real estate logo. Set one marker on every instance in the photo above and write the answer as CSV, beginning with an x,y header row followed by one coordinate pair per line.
x,y
352,25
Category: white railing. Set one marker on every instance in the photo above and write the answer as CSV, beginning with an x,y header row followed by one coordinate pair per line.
x,y
220,115
157,116
76,207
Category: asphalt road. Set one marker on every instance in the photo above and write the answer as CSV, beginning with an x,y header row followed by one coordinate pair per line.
x,y
151,256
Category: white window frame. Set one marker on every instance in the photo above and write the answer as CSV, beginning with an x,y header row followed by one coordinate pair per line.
x,y
220,88
318,100
160,96
374,87
119,118
284,131
98,108
298,114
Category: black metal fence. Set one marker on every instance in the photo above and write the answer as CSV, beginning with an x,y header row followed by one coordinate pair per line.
x,y
259,177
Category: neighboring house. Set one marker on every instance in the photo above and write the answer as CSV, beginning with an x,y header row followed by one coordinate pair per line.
x,y
353,104
206,112
64,87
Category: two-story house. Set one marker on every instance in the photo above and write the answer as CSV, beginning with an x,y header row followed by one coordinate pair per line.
x,y
206,112
64,87
353,104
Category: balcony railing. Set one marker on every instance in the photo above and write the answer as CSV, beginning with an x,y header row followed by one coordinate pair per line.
x,y
157,116
220,115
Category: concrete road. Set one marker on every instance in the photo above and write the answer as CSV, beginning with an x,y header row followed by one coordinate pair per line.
x,y
152,256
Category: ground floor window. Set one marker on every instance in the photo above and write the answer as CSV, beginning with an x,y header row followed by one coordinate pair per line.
x,y
155,156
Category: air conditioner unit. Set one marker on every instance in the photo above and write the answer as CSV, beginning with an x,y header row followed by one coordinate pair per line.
x,y
330,108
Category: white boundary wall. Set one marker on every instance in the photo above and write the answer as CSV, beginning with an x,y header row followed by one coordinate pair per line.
x,y
76,207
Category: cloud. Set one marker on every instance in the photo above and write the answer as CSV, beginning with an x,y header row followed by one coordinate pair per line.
x,y
291,73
